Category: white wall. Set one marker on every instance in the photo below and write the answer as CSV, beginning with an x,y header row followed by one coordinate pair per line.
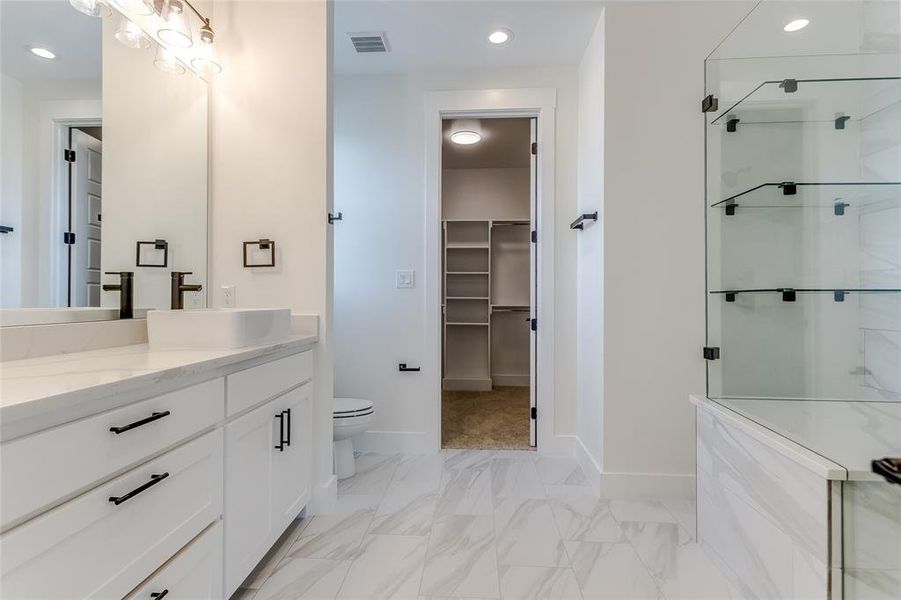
x,y
485,193
379,186
11,190
270,149
654,236
590,254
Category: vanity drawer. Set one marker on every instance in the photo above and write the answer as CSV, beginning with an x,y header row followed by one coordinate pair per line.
x,y
195,573
49,465
90,547
251,386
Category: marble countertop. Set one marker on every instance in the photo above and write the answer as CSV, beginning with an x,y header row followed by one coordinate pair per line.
x,y
848,433
36,393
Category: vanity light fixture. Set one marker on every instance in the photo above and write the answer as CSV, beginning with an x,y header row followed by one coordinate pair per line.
x,y
796,25
465,137
142,8
500,36
175,30
129,34
206,62
43,53
92,8
166,61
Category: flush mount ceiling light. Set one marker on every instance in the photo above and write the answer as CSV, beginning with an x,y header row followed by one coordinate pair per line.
x,y
500,36
129,34
43,53
175,30
92,8
796,25
465,137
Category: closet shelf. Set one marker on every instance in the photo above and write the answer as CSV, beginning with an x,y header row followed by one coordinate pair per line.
x,y
466,272
466,298
467,324
466,245
809,101
791,194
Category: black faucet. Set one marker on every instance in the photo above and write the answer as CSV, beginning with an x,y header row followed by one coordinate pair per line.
x,y
179,287
126,289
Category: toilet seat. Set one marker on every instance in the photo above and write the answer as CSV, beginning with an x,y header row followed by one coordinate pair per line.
x,y
346,408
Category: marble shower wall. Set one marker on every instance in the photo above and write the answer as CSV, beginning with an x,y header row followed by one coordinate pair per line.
x,y
872,540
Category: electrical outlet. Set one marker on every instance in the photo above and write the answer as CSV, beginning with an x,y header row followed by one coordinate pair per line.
x,y
228,295
405,279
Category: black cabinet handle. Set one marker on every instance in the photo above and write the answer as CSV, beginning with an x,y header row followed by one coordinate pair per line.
x,y
159,595
890,468
281,431
403,368
153,417
154,479
288,426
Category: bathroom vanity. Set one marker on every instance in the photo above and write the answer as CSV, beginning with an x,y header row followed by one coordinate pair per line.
x,y
129,471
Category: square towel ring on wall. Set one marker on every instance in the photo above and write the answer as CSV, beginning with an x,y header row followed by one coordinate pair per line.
x,y
157,245
262,244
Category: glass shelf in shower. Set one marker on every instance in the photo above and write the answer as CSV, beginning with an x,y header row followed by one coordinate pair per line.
x,y
809,101
833,195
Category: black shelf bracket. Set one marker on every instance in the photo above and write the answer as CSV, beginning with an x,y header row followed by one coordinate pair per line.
x,y
840,121
711,353
580,222
332,218
709,104
732,125
403,368
6,229
790,86
839,208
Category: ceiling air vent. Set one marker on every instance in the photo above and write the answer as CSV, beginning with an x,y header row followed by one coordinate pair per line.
x,y
369,41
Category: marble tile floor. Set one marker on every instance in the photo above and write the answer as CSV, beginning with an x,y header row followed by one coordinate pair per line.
x,y
486,524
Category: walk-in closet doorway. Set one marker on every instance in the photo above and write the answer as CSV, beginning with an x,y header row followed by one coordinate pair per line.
x,y
489,277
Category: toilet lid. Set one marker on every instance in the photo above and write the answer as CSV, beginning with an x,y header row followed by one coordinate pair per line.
x,y
351,407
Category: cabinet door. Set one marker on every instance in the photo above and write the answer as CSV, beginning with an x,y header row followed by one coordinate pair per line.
x,y
291,480
249,448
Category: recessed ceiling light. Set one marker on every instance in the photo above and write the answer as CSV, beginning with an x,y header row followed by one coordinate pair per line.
x,y
796,25
43,53
465,137
500,36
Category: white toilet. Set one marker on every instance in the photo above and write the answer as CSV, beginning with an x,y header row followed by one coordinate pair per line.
x,y
351,416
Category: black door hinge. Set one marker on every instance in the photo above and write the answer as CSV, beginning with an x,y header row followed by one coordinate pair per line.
x,y
535,237
711,352
534,148
68,237
534,324
534,413
709,104
69,155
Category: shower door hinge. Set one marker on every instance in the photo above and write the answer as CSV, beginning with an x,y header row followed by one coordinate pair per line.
x,y
69,155
534,148
709,104
534,413
534,324
711,352
68,237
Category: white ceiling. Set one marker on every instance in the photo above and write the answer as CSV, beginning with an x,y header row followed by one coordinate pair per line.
x,y
505,143
53,24
452,35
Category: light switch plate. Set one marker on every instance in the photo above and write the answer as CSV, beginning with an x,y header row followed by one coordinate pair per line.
x,y
405,279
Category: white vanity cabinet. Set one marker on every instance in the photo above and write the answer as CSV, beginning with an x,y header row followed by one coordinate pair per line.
x,y
179,493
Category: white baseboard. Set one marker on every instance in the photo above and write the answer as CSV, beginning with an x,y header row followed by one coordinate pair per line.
x,y
589,465
325,497
510,380
647,486
391,442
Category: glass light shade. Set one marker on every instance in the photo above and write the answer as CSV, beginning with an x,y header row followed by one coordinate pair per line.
x,y
206,62
92,8
465,137
166,62
135,7
175,30
129,34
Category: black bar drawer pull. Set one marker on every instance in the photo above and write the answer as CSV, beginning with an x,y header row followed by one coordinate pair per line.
x,y
288,426
889,468
159,595
154,479
281,431
153,417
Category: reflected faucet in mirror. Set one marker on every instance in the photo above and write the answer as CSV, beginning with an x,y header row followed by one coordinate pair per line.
x,y
179,287
126,290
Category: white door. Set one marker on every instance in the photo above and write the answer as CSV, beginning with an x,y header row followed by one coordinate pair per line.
x,y
84,220
291,481
249,447
533,287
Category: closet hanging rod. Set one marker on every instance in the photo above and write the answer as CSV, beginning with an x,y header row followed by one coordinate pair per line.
x,y
510,223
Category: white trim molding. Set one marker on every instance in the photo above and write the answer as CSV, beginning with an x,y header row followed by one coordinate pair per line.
x,y
523,102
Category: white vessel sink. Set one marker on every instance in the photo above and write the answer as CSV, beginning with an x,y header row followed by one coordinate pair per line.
x,y
217,328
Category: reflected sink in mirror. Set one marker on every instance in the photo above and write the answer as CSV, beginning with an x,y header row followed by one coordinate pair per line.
x,y
217,328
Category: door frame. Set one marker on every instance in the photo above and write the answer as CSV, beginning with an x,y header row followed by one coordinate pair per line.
x,y
540,103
